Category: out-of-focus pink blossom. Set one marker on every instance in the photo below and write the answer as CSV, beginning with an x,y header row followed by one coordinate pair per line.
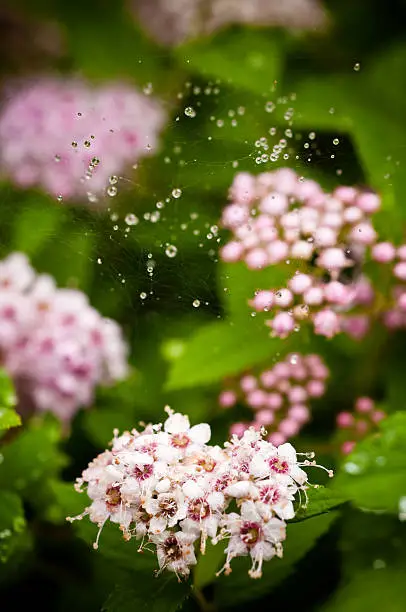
x,y
70,138
56,347
354,426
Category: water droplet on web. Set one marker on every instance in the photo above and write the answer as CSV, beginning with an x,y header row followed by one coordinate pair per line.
x,y
190,112
74,144
99,260
112,191
357,67
269,107
131,219
196,303
87,143
293,359
336,141
171,251
143,295
176,193
59,198
113,180
57,158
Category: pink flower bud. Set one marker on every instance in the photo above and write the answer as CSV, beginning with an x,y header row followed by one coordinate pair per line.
x,y
262,301
333,219
264,417
227,399
356,326
345,194
299,413
282,325
232,251
274,204
400,270
243,188
361,427
378,415
297,395
325,237
268,378
401,302
257,398
238,429
352,215
314,296
235,215
337,293
289,427
347,447
326,323
248,383
274,401
276,438
301,249
332,259
277,251
315,388
364,404
383,252
401,252
344,420
283,298
368,202
300,283
363,233
256,259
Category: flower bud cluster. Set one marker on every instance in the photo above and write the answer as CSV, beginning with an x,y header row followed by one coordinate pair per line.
x,y
386,252
354,426
167,486
279,396
55,346
69,138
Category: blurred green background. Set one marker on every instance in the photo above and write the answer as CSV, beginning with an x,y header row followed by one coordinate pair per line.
x,y
338,99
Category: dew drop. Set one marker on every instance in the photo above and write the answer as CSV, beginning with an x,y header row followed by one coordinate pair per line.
x,y
269,107
190,112
357,67
112,191
113,180
196,303
131,219
176,193
336,141
171,251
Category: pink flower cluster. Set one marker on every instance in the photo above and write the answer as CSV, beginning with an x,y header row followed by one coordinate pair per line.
x,y
69,138
386,252
277,218
167,486
323,303
278,396
55,346
355,426
173,21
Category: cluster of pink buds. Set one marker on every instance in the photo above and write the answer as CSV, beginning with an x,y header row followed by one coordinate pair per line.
x,y
355,426
72,139
386,252
55,346
279,396
166,486
323,303
278,217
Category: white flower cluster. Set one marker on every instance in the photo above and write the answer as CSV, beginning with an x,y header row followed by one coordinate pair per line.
x,y
167,486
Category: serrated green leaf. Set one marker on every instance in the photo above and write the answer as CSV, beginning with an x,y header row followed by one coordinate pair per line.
x,y
320,500
373,476
300,538
144,592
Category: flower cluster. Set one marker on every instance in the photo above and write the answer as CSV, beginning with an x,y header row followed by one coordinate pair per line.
x,y
355,426
70,138
171,22
55,346
278,218
279,396
168,487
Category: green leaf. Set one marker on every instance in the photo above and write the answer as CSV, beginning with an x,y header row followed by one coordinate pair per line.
x,y
12,523
320,500
300,538
373,476
245,58
32,456
373,590
36,224
208,564
144,592
221,349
